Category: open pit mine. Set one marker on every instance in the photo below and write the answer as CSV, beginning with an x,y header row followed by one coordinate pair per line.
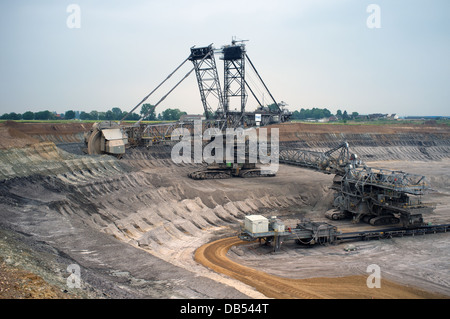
x,y
105,211
140,227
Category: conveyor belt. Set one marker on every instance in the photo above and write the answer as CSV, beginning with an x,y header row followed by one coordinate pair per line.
x,y
311,236
393,232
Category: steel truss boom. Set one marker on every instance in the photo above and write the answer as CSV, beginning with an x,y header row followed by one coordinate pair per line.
x,y
327,162
146,97
171,90
265,86
235,85
164,97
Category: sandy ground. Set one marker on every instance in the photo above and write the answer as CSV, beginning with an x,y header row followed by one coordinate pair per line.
x,y
287,286
409,261
16,283
134,225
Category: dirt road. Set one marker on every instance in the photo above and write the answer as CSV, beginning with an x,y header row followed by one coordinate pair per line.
x,y
214,256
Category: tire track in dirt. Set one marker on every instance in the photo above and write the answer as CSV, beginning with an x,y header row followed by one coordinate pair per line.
x,y
214,256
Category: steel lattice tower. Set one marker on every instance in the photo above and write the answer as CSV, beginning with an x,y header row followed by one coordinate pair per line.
x,y
234,82
207,78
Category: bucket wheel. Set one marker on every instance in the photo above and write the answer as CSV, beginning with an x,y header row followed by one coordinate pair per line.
x,y
94,143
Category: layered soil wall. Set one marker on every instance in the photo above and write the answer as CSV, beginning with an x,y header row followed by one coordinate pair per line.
x,y
134,224
371,142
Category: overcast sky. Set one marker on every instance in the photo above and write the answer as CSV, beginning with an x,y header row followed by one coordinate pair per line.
x,y
310,53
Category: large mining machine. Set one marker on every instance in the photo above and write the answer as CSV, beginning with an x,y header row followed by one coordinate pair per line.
x,y
219,110
308,233
373,195
235,59
239,159
106,138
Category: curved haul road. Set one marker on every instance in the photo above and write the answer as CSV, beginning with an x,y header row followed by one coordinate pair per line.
x,y
213,256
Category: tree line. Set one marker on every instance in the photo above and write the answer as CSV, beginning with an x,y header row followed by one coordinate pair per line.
x,y
317,113
114,114
148,112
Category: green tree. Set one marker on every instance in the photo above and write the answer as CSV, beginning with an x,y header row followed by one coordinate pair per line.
x,y
93,115
85,116
167,115
345,115
295,115
303,114
101,116
135,117
69,115
109,116
11,116
172,114
117,113
44,115
28,116
132,117
150,109
326,113
316,113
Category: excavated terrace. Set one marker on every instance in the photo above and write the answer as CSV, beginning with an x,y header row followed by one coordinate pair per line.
x,y
133,225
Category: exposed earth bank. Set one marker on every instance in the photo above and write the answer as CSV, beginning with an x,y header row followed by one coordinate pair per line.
x,y
133,225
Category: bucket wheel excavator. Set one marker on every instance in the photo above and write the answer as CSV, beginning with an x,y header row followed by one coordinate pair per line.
x,y
236,89
219,110
373,195
105,138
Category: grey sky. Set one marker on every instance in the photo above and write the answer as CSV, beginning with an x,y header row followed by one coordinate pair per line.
x,y
310,53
